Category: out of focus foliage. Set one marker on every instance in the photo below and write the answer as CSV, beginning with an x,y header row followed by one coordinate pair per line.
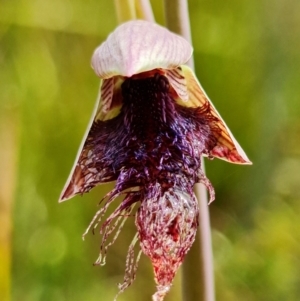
x,y
247,56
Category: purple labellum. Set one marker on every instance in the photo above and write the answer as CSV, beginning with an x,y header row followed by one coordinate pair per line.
x,y
150,128
152,140
152,149
167,225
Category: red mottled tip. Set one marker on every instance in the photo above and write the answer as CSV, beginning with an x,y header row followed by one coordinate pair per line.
x,y
167,225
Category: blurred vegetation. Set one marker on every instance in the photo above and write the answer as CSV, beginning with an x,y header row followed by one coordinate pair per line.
x,y
247,56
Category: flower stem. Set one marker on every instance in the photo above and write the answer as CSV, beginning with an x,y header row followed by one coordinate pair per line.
x,y
133,9
144,10
177,20
201,256
125,10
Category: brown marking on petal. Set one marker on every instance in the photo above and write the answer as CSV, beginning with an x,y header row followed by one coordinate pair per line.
x,y
232,156
178,83
83,175
72,188
226,148
106,96
111,99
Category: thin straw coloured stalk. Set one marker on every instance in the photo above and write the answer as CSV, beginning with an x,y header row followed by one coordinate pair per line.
x,y
177,20
198,264
125,10
144,10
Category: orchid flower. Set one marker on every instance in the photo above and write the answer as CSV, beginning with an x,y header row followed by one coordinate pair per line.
x,y
151,125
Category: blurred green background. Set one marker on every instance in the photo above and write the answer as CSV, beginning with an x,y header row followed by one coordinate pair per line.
x,y
247,56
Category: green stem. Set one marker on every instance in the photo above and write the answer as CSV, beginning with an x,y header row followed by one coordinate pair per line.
x,y
177,20
125,10
134,9
198,264
144,10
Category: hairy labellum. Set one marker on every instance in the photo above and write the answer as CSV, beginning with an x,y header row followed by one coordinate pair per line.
x,y
152,140
152,124
153,150
167,224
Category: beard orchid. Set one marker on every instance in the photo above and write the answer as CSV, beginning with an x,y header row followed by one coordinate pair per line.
x,y
151,125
